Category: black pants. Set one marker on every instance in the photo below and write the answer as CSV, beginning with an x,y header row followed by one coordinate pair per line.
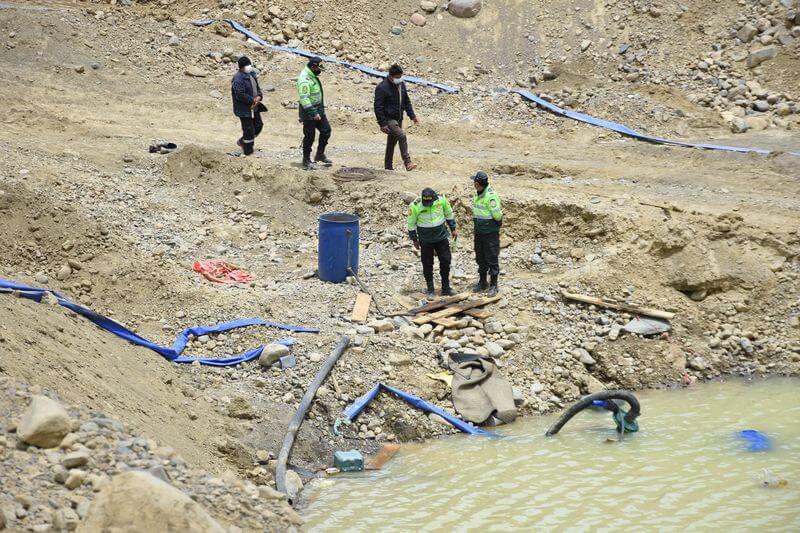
x,y
487,252
442,250
251,127
310,128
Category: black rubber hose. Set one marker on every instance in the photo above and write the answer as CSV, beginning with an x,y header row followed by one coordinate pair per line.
x,y
586,401
300,414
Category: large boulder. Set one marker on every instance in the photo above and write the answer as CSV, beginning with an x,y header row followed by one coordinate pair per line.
x,y
44,424
464,8
137,501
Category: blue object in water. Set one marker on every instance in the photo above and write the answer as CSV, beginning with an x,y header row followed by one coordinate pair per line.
x,y
755,440
338,239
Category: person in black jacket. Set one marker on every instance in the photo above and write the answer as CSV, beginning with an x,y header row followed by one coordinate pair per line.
x,y
247,96
391,100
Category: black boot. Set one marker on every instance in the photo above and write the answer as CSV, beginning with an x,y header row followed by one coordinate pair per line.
x,y
447,291
308,164
481,285
430,293
322,158
493,287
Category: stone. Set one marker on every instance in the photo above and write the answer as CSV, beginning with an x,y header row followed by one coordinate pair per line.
x,y
739,125
44,424
464,8
427,6
272,353
747,32
293,484
137,500
195,72
400,359
493,327
74,479
698,363
583,356
761,105
614,332
64,273
65,519
174,40
382,325
266,492
585,44
397,30
411,331
537,387
494,349
240,408
757,123
757,57
74,460
418,20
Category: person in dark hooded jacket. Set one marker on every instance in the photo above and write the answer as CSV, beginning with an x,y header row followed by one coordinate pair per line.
x,y
391,100
247,105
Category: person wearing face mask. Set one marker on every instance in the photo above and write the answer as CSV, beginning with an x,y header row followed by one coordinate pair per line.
x,y
487,217
247,104
391,100
429,217
312,113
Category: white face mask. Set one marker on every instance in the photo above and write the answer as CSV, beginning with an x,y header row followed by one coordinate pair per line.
x,y
397,81
248,69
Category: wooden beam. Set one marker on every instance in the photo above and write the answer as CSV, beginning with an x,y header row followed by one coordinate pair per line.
x,y
450,311
361,307
440,304
377,461
479,313
619,306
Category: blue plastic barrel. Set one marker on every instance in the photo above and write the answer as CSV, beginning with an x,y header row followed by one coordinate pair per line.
x,y
338,238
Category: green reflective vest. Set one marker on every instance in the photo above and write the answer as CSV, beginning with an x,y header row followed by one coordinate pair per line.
x,y
427,223
310,95
486,212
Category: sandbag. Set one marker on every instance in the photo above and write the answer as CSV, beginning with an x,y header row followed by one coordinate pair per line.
x,y
480,393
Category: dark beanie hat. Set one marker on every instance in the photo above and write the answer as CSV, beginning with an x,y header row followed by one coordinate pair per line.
x,y
244,61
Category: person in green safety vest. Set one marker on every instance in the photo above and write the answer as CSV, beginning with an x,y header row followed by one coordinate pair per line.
x,y
488,217
311,98
427,216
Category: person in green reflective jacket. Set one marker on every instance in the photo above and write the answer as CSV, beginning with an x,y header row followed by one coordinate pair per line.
x,y
311,99
488,218
429,216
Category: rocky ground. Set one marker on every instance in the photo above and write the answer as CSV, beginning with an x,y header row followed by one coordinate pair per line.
x,y
710,236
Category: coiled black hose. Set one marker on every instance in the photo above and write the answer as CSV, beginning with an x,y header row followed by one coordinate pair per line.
x,y
608,396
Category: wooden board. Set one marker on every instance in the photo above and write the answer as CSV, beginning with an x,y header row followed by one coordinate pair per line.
x,y
377,461
479,313
456,309
361,307
441,304
448,322
619,306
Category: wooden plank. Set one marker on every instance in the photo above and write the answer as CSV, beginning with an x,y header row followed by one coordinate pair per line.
x,y
479,313
377,461
619,306
450,311
446,322
361,307
440,304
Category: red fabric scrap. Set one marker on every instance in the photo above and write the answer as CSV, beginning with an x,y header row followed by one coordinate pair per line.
x,y
221,271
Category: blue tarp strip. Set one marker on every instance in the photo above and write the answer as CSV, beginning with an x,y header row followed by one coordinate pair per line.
x,y
756,441
354,409
170,353
305,53
625,130
574,115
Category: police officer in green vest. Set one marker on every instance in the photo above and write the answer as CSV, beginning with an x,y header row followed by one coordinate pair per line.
x,y
488,217
427,216
312,113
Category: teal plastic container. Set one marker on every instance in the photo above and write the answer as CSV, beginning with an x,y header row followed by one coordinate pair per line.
x,y
349,461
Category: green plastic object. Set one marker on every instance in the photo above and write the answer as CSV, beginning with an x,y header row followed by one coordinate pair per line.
x,y
349,461
619,420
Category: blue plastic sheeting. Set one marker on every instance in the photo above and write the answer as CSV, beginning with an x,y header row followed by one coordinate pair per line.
x,y
305,53
625,130
755,440
418,403
170,353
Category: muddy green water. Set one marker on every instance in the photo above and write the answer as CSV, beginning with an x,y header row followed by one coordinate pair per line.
x,y
684,470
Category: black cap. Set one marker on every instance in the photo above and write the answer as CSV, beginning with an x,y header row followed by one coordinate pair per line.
x,y
244,61
481,177
315,61
428,196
